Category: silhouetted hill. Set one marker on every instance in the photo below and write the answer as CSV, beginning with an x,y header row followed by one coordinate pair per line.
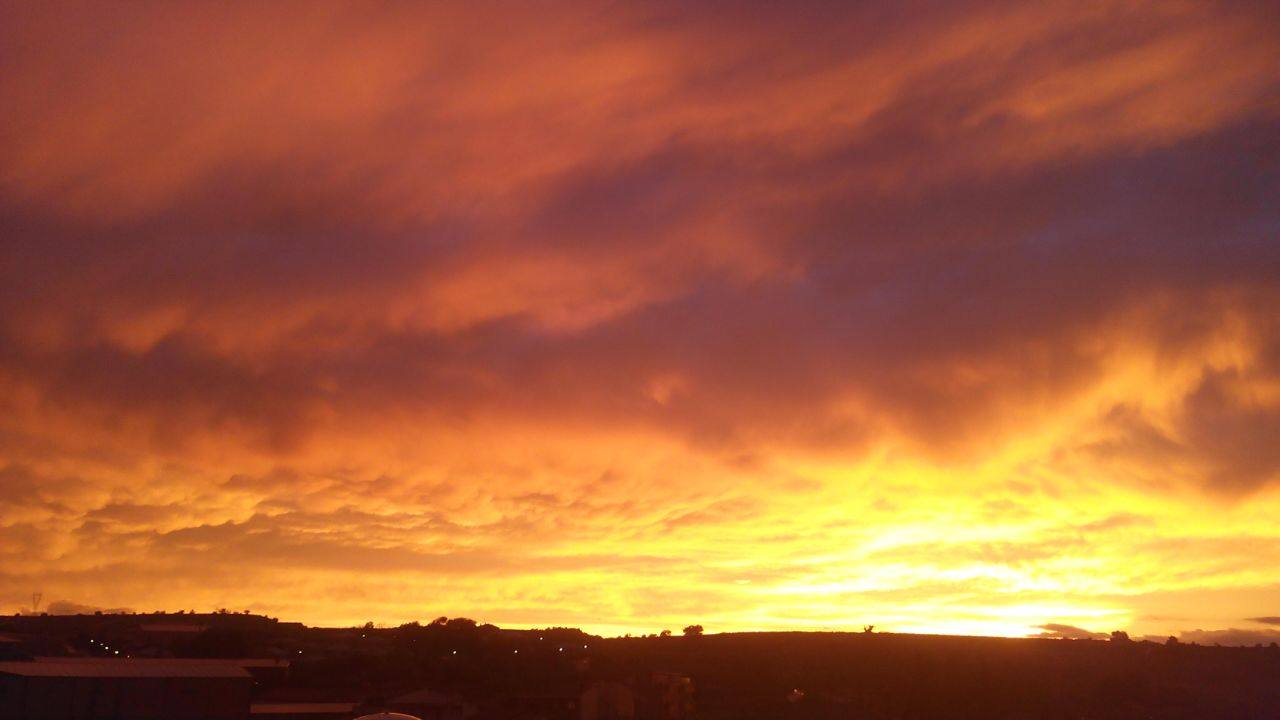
x,y
856,675
789,676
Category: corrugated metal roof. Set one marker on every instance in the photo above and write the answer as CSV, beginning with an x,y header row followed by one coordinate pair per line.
x,y
122,668
237,662
301,708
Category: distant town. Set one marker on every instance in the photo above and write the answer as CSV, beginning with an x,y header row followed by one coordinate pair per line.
x,y
225,665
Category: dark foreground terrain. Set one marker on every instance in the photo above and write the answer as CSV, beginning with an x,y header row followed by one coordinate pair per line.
x,y
458,669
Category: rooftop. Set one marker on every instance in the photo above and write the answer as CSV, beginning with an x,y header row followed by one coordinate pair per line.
x,y
234,662
301,708
426,697
51,667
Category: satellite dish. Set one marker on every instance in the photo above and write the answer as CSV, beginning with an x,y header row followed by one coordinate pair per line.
x,y
387,716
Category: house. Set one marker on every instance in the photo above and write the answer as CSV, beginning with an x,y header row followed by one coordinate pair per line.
x,y
303,711
264,671
123,690
548,703
608,701
432,705
657,696
665,696
11,647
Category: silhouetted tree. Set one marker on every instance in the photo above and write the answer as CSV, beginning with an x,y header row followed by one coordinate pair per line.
x,y
692,630
1119,636
665,633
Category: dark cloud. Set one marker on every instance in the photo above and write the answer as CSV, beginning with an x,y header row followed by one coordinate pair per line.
x,y
1230,636
416,292
66,607
1238,436
1068,632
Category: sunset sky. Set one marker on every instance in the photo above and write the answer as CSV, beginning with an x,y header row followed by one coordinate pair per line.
x,y
939,316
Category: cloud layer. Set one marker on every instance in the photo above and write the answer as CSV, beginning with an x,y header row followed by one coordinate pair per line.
x,y
936,316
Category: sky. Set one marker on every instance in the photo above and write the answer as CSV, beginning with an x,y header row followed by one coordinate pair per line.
x,y
938,316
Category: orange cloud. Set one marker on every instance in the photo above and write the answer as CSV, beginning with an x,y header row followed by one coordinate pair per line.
x,y
949,318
